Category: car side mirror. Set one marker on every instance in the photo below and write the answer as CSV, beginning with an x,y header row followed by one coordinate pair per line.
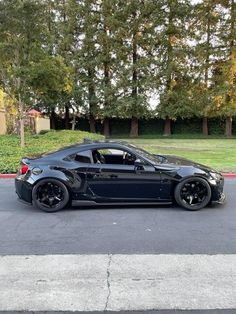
x,y
138,164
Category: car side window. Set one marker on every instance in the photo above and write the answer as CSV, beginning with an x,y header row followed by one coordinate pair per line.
x,y
82,157
113,156
98,157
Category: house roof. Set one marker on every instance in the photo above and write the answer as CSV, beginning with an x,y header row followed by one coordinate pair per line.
x,y
33,112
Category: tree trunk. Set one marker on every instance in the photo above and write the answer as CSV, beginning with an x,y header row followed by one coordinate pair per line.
x,y
22,133
92,100
53,119
92,124
134,119
228,120
134,127
107,83
67,117
22,123
228,127
205,126
73,123
106,127
167,127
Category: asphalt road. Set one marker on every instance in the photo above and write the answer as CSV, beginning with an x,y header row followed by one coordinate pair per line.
x,y
149,230
151,259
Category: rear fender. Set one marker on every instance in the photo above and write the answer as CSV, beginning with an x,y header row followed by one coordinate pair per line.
x,y
69,178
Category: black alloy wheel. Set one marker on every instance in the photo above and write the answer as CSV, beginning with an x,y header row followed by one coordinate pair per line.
x,y
50,195
193,193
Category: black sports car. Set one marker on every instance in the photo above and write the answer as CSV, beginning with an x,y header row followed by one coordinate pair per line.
x,y
107,172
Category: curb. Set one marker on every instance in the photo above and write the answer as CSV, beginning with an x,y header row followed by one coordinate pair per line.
x,y
12,175
7,175
229,175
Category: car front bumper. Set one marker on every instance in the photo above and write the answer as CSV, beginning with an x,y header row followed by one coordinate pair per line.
x,y
218,195
222,199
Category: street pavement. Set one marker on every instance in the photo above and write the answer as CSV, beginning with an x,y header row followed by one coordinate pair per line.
x,y
146,259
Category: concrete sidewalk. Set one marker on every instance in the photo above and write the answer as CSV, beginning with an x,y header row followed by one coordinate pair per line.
x,y
117,282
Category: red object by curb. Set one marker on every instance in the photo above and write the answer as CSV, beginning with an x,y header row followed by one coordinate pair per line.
x,y
7,175
229,175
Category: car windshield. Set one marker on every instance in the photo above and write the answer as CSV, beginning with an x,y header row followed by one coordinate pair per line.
x,y
143,153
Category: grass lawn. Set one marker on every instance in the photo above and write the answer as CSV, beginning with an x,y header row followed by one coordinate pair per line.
x,y
218,153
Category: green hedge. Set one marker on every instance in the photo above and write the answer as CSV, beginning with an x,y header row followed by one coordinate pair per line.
x,y
11,152
154,126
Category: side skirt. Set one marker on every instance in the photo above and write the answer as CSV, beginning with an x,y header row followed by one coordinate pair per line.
x,y
93,203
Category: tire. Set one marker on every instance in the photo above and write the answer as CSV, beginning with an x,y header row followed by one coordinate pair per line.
x,y
193,193
50,195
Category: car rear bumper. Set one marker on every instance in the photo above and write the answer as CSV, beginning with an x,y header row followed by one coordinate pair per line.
x,y
23,190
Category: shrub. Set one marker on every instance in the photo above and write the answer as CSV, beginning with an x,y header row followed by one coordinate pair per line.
x,y
11,153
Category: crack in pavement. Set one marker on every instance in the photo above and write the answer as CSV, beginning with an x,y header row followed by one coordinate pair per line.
x,y
108,281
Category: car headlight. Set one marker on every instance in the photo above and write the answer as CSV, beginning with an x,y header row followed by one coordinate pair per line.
x,y
216,176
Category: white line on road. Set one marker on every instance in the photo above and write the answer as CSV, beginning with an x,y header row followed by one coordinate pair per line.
x,y
117,282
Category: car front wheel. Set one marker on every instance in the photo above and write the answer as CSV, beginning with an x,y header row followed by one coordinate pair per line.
x,y
50,195
193,193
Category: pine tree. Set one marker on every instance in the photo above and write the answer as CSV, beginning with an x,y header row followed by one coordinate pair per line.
x,y
172,18
135,57
230,67
67,22
107,61
207,20
224,66
86,57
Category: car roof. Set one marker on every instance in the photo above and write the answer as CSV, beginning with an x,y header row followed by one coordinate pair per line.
x,y
87,144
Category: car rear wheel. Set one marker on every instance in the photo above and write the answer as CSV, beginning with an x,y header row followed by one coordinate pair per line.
x,y
193,193
50,195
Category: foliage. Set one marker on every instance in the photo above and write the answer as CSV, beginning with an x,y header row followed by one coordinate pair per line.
x,y
21,39
49,78
154,126
174,66
21,29
215,152
107,58
11,153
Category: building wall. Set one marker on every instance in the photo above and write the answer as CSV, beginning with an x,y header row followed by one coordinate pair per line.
x,y
42,124
3,126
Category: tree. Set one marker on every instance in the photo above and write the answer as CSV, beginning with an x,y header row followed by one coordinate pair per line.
x,y
172,18
21,39
108,62
86,57
229,70
66,26
134,75
223,65
207,20
50,80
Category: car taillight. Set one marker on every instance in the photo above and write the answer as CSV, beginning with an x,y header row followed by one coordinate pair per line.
x,y
23,169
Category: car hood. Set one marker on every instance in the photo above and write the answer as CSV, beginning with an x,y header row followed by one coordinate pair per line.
x,y
171,159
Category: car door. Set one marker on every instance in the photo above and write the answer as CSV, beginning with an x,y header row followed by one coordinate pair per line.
x,y
124,182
